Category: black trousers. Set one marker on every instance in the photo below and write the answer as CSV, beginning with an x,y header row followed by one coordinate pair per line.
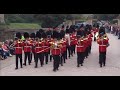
x,y
18,56
119,35
72,49
74,46
94,38
46,57
89,49
69,51
62,58
51,58
56,59
33,55
86,52
40,57
27,56
102,58
80,57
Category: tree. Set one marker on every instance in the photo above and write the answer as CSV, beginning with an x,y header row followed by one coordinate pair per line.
x,y
105,16
53,20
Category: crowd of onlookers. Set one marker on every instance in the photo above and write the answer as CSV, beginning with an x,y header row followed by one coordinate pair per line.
x,y
113,29
6,49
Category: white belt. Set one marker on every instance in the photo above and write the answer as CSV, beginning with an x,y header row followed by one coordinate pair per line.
x,y
18,47
38,47
102,45
80,46
44,46
27,46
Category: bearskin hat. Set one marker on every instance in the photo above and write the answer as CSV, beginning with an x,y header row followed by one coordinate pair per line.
x,y
18,35
67,30
32,35
38,34
67,27
55,33
26,35
41,30
44,35
102,30
63,26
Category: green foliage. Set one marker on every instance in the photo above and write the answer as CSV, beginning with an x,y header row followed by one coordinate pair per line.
x,y
24,26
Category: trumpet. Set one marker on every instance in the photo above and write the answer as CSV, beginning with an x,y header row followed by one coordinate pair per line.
x,y
19,41
55,45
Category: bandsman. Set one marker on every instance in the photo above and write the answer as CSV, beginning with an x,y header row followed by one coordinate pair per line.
x,y
18,44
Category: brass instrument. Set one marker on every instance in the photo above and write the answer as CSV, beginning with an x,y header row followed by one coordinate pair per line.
x,y
56,44
80,40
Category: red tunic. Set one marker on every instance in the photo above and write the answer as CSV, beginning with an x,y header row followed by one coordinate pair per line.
x,y
27,46
56,51
38,47
46,46
80,47
18,48
102,45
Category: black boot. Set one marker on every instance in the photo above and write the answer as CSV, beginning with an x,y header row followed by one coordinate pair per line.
x,y
35,66
16,68
81,64
24,64
100,65
78,65
54,70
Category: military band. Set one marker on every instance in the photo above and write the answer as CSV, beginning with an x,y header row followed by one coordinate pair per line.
x,y
45,46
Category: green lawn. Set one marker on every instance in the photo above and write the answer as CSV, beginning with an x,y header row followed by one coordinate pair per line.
x,y
24,26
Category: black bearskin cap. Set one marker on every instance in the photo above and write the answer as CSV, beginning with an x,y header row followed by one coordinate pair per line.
x,y
32,35
102,30
67,27
63,26
41,30
26,35
18,35
44,35
38,34
67,30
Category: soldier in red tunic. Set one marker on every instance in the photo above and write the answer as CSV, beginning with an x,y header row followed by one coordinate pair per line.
x,y
103,44
90,42
46,47
56,51
32,36
38,50
18,49
27,48
80,51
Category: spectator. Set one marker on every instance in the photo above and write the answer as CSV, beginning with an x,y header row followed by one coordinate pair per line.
x,y
119,33
11,47
2,53
5,49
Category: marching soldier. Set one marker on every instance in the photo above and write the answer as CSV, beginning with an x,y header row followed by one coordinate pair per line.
x,y
86,46
18,49
90,41
46,47
103,44
32,36
56,51
64,44
38,50
27,48
80,51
